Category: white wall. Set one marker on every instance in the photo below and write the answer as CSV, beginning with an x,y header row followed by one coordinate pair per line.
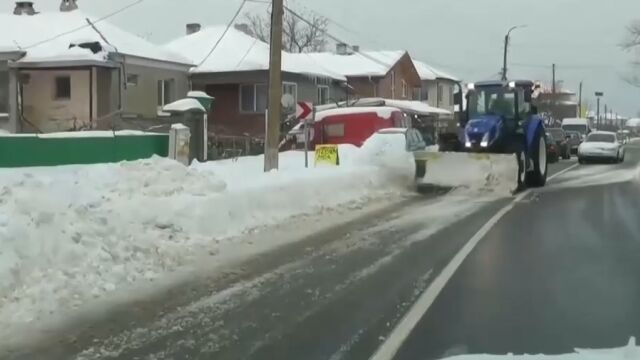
x,y
49,114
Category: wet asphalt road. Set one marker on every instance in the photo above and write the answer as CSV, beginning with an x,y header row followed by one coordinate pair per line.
x,y
548,269
560,271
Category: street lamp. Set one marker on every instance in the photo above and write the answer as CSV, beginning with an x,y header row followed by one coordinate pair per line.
x,y
599,94
506,46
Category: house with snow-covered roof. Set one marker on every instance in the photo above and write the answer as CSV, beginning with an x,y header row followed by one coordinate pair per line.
x,y
383,74
437,87
66,70
233,67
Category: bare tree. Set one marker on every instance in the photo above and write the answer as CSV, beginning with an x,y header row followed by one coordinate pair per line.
x,y
632,44
298,35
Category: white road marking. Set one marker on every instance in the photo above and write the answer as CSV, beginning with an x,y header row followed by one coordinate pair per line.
x,y
392,343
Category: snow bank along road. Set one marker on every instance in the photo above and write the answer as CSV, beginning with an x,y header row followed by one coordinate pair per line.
x,y
336,294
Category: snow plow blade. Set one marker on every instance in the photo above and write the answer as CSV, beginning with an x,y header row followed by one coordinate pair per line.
x,y
496,173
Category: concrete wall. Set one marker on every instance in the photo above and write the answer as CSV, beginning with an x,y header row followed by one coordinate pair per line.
x,y
142,99
49,114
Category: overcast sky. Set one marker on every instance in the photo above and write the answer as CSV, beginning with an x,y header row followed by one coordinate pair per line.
x,y
462,36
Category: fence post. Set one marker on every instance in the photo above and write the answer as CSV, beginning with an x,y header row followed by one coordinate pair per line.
x,y
179,143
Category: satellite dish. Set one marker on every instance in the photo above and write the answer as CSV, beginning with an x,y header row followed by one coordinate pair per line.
x,y
288,101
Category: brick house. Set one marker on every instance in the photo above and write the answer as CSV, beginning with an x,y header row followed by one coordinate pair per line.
x,y
236,74
385,74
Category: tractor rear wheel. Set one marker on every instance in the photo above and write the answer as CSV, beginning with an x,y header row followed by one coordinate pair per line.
x,y
538,155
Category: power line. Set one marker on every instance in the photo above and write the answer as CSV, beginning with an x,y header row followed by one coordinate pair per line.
x,y
563,66
235,16
84,26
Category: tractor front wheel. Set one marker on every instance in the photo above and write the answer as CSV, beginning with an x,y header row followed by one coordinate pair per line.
x,y
537,177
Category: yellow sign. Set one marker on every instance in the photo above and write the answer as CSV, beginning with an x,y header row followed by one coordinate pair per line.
x,y
327,155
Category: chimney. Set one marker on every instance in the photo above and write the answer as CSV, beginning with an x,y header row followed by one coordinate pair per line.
x,y
244,28
24,8
68,5
341,49
193,28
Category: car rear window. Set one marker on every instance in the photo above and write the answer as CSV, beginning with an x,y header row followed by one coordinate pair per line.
x,y
557,134
601,138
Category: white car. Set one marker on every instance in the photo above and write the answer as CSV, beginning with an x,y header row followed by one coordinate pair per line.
x,y
601,146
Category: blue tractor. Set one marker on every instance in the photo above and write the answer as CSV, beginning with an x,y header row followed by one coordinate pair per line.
x,y
500,118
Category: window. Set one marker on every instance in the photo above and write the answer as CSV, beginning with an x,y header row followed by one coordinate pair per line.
x,y
334,130
166,90
393,84
291,89
440,93
132,80
253,98
416,94
63,88
4,92
323,95
492,101
405,89
451,96
599,137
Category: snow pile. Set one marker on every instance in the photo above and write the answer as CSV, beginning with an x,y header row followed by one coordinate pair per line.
x,y
631,351
72,234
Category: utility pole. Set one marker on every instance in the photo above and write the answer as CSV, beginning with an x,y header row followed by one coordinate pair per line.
x,y
553,91
274,111
606,115
506,48
599,94
580,101
504,57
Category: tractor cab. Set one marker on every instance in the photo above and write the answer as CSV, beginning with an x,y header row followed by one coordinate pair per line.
x,y
495,113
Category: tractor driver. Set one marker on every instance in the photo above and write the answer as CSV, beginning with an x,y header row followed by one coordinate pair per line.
x,y
502,105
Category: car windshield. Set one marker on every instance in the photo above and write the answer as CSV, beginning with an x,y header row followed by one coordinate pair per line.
x,y
601,138
494,100
582,129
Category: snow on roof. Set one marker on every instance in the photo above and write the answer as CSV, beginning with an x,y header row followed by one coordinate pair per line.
x,y
238,51
32,34
381,111
198,94
366,63
633,122
416,107
183,105
428,72
574,121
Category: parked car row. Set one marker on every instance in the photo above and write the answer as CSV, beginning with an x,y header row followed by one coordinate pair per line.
x,y
594,146
558,145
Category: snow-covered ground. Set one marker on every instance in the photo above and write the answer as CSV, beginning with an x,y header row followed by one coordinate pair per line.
x,y
631,351
71,235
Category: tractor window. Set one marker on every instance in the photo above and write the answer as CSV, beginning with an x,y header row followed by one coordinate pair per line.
x,y
492,101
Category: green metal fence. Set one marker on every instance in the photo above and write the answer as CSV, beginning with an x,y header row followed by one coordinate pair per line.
x,y
94,148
